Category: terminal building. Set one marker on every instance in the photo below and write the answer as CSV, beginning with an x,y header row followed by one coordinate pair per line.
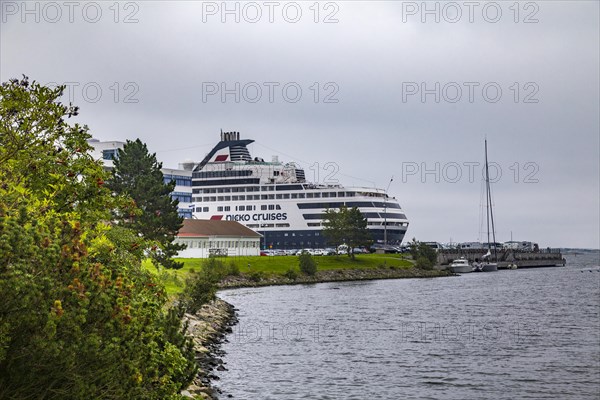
x,y
212,238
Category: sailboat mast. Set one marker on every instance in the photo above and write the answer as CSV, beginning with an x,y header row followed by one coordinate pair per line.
x,y
487,198
489,202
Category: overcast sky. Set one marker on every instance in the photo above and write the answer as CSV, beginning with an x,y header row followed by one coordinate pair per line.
x,y
387,89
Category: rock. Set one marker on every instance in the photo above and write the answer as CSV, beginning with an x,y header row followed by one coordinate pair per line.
x,y
208,328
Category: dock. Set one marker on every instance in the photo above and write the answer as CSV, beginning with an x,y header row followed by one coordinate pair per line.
x,y
506,257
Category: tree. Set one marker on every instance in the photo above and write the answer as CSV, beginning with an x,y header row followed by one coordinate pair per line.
x,y
138,174
79,316
346,226
425,256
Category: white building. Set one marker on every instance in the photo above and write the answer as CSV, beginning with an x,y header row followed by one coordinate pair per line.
x,y
105,151
108,151
204,238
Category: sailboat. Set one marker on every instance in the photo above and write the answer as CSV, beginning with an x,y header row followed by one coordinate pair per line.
x,y
486,264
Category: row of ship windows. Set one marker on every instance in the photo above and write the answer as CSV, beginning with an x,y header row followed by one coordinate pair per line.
x,y
221,174
263,207
365,214
338,204
273,188
283,196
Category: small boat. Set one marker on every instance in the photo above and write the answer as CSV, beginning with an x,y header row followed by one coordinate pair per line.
x,y
489,267
460,266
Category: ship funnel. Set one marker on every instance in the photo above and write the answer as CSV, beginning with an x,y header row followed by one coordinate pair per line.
x,y
229,136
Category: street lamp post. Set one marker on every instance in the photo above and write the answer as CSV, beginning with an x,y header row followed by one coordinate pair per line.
x,y
385,213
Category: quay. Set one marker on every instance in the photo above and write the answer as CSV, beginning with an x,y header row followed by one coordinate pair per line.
x,y
506,257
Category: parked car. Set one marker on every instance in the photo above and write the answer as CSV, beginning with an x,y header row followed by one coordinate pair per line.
x,y
329,251
309,251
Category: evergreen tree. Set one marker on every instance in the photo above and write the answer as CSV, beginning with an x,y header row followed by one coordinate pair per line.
x,y
346,226
138,175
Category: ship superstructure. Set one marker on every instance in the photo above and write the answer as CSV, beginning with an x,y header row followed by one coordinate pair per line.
x,y
275,199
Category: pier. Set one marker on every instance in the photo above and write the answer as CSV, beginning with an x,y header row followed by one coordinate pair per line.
x,y
505,257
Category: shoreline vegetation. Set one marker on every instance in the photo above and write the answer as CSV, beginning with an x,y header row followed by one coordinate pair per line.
x,y
253,271
213,320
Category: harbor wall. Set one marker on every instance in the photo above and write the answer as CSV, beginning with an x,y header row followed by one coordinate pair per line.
x,y
505,257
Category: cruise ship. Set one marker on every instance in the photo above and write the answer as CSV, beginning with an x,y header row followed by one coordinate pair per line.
x,y
276,200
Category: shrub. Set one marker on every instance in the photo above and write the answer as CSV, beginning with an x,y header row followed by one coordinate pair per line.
x,y
291,274
256,276
422,250
424,263
308,266
232,269
201,287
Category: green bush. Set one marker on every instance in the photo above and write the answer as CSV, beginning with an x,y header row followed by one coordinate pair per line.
x,y
291,274
308,266
422,250
201,287
424,263
256,276
232,269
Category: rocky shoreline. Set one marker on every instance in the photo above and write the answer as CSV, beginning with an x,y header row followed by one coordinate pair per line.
x,y
208,328
340,275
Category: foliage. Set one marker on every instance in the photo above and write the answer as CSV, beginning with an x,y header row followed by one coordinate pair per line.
x,y
346,226
201,286
138,174
424,255
256,276
291,274
308,266
79,317
424,263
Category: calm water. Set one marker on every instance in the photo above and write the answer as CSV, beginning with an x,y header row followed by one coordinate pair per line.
x,y
524,334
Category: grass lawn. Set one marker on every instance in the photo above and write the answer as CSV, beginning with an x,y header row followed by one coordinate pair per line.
x,y
174,279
